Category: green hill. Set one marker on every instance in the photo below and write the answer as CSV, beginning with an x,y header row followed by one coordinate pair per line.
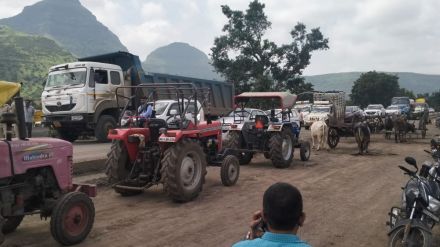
x,y
180,59
69,23
418,83
27,58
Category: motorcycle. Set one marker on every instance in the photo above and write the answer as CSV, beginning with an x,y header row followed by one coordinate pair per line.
x,y
412,223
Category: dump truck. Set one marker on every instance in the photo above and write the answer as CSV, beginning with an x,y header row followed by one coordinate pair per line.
x,y
79,97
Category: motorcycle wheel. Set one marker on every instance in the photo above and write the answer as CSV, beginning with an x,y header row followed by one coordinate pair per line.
x,y
416,238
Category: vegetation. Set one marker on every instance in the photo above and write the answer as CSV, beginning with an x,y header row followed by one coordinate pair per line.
x,y
27,58
243,56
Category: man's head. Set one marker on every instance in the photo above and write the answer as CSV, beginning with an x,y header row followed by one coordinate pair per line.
x,y
143,100
283,207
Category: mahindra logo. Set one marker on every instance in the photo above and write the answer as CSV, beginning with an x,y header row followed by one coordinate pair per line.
x,y
59,104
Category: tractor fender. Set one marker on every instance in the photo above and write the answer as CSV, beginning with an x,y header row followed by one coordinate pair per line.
x,y
124,134
278,127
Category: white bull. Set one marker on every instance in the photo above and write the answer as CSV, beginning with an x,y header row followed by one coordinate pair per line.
x,y
319,130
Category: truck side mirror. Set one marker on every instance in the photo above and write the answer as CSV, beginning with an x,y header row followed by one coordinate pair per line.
x,y
173,112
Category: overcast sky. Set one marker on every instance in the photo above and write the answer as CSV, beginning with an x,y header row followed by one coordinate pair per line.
x,y
383,35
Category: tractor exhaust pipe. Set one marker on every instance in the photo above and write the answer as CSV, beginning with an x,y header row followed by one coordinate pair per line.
x,y
19,109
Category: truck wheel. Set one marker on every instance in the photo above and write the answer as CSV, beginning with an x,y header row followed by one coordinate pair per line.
x,y
304,151
67,135
184,170
230,170
11,223
72,218
281,148
117,166
105,123
233,142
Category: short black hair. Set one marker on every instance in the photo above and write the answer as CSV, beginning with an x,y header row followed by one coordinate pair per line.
x,y
282,206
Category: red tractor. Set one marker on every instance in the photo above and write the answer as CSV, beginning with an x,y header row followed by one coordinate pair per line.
x,y
36,178
174,151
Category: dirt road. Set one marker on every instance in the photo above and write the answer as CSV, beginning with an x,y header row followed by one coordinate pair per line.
x,y
346,196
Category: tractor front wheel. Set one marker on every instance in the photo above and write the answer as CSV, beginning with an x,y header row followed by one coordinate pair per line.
x,y
281,148
184,170
72,218
230,170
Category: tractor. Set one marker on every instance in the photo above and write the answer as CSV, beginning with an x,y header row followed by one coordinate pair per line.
x,y
174,151
36,178
276,135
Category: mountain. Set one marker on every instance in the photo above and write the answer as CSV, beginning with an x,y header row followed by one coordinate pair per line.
x,y
27,58
418,83
68,23
180,59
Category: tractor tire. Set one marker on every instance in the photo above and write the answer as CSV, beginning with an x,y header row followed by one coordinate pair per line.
x,y
105,123
184,170
233,142
11,223
118,165
230,170
281,148
67,135
304,151
72,218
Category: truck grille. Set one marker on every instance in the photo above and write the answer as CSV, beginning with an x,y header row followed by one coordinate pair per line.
x,y
55,108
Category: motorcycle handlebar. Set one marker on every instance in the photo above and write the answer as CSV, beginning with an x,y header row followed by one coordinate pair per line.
x,y
406,170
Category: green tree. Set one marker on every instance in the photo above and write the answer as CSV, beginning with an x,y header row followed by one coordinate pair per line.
x,y
405,92
374,88
253,63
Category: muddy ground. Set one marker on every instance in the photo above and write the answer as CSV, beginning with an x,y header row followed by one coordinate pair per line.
x,y
347,198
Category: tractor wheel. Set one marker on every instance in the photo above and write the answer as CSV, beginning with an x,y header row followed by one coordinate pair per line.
x,y
233,142
230,170
105,123
11,223
333,137
304,151
67,135
117,165
72,218
184,170
281,148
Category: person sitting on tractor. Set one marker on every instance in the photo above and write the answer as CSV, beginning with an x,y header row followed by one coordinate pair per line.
x,y
278,223
145,111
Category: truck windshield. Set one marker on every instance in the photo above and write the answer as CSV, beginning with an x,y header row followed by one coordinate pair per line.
x,y
374,107
66,77
320,109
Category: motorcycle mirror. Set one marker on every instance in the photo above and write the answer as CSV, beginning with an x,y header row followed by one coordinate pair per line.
x,y
411,161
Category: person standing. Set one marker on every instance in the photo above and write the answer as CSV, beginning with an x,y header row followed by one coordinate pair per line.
x,y
29,112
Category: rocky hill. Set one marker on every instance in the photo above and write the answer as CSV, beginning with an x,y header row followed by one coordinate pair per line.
x,y
180,59
68,23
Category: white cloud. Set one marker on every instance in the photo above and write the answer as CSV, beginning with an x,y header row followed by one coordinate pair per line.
x,y
391,35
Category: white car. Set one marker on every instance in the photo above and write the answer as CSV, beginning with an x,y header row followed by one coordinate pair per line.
x,y
375,110
318,113
392,109
238,117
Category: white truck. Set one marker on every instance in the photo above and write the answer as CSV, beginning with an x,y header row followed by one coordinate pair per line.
x,y
79,97
319,112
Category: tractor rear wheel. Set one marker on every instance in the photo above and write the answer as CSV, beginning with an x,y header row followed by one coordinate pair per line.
x,y
184,170
230,170
233,142
118,167
72,218
11,223
281,148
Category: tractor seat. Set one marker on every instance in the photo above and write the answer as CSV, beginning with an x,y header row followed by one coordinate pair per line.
x,y
261,121
154,125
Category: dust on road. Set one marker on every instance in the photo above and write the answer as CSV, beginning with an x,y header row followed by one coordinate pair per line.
x,y
347,198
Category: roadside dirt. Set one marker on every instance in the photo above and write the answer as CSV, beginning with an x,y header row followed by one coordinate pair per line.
x,y
347,198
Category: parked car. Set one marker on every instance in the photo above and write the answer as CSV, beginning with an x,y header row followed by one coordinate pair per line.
x,y
375,110
239,116
431,110
319,112
395,109
353,109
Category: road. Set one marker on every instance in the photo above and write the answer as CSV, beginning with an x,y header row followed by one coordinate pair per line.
x,y
346,201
